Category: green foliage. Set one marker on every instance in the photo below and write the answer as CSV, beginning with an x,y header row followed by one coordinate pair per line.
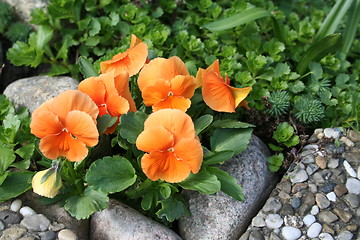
x,y
308,110
18,31
275,162
284,134
279,103
6,16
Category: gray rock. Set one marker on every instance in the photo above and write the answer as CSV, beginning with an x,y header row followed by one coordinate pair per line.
x,y
322,201
256,235
58,214
32,92
352,200
10,217
120,222
24,7
344,235
2,225
49,235
354,136
219,216
274,221
299,176
37,222
272,205
258,221
295,202
327,217
13,233
353,186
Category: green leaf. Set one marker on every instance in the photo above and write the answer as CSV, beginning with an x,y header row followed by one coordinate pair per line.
x,y
297,87
157,13
203,182
81,207
94,27
22,54
15,184
325,97
104,122
281,69
274,147
318,50
111,174
211,158
230,123
246,16
57,69
283,132
229,184
228,139
148,200
3,177
63,51
202,123
7,157
165,190
293,141
333,19
316,70
23,165
351,26
44,36
171,209
86,68
275,162
132,124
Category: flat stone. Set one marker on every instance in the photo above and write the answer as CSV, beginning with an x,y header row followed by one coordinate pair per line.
x,y
331,133
286,210
284,185
295,202
290,233
298,187
2,225
274,221
10,217
327,217
293,221
49,235
56,226
340,190
333,163
325,236
13,233
309,198
27,211
353,185
218,216
354,136
314,230
322,201
119,221
256,235
345,235
331,196
320,161
37,222
32,92
314,210
327,229
283,196
273,236
272,205
349,169
308,220
311,168
258,222
318,178
352,200
67,234
347,142
16,205
343,215
299,176
327,187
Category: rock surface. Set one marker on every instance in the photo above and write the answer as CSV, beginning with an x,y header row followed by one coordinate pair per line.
x,y
120,222
32,92
219,216
23,7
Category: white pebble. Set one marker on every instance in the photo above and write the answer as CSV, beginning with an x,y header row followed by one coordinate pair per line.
x,y
290,233
67,234
347,142
16,205
314,210
309,219
349,169
331,133
318,130
325,236
314,230
27,211
258,221
274,221
353,185
358,172
320,135
331,196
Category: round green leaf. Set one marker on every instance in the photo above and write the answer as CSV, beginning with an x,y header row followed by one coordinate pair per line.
x,y
111,174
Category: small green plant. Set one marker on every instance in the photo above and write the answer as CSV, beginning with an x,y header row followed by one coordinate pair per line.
x,y
308,110
6,16
279,103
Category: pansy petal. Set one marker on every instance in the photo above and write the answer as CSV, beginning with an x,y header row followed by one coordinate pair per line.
x,y
164,166
44,123
77,151
108,79
118,62
81,126
46,106
52,146
117,105
73,100
48,188
95,88
174,102
190,151
174,120
122,87
239,94
161,68
182,85
155,93
134,41
216,93
155,139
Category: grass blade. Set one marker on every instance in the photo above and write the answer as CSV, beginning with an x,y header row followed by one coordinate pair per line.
x,y
351,26
318,50
333,19
238,19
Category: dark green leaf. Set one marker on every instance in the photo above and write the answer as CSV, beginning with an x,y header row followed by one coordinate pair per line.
x,y
351,26
3,177
23,165
86,68
229,139
148,200
203,122
211,158
7,157
203,182
15,184
132,124
229,184
274,147
57,69
246,16
171,209
104,122
111,174
22,54
230,123
81,207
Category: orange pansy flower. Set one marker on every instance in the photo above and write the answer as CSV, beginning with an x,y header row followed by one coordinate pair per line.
x,y
166,83
131,61
66,125
106,91
173,149
217,92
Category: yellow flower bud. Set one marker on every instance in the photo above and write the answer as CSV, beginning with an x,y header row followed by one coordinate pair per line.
x,y
48,187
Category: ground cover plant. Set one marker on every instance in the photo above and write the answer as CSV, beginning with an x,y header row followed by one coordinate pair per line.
x,y
296,63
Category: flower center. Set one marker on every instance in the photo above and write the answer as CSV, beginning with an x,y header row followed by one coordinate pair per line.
x,y
171,149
